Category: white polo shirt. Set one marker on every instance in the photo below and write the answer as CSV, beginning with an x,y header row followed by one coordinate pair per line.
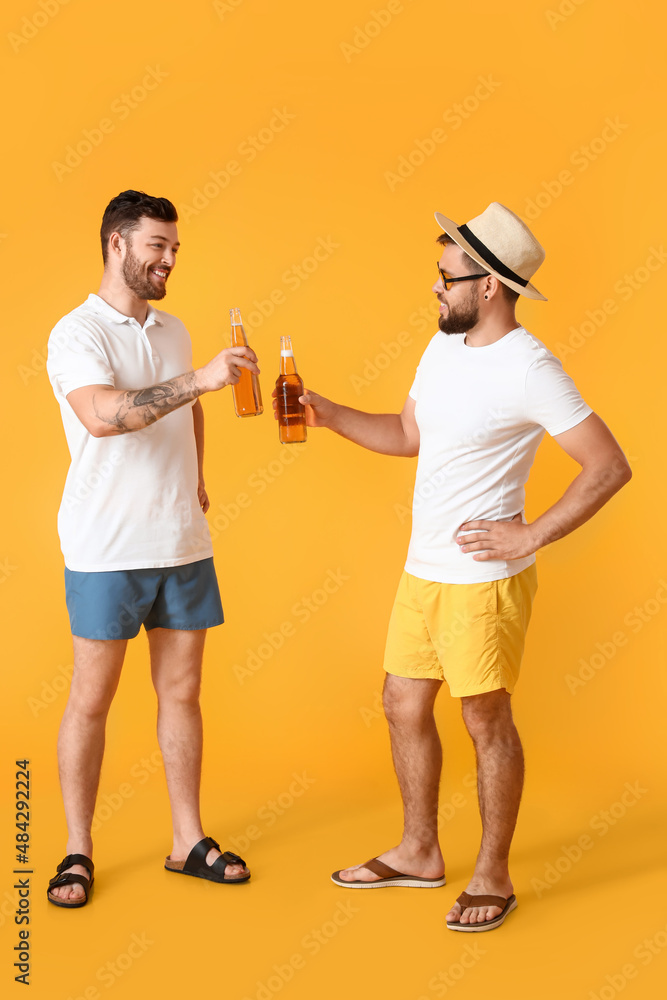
x,y
481,413
130,500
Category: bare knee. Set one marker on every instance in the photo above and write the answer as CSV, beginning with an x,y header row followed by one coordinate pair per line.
x,y
181,693
488,718
408,701
89,703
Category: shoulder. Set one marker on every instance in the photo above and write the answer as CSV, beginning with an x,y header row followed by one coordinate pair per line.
x,y
81,322
439,344
533,351
171,324
167,319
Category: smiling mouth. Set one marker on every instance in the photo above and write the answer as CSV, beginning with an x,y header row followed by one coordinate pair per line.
x,y
160,272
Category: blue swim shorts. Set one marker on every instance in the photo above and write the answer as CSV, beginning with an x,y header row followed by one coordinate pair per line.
x,y
116,604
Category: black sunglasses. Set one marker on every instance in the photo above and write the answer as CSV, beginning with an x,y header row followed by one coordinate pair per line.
x,y
448,280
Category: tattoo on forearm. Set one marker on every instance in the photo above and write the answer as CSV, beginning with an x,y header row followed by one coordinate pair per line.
x,y
137,408
155,394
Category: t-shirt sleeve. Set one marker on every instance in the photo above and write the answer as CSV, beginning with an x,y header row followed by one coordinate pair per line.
x,y
414,388
552,399
76,358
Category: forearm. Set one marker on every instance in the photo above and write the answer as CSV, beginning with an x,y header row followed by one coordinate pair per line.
x,y
585,496
198,419
381,432
120,412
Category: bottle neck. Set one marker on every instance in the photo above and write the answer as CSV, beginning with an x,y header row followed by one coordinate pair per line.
x,y
239,338
238,333
287,363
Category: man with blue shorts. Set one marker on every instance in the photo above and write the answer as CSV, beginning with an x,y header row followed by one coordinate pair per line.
x,y
484,394
133,533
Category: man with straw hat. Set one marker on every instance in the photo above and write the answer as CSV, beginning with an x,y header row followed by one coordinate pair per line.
x,y
484,394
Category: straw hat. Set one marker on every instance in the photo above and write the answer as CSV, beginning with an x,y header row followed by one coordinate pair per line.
x,y
503,244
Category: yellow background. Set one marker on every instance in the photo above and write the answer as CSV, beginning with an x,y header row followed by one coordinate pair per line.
x,y
361,98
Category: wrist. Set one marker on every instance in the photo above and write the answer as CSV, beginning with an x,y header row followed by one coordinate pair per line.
x,y
538,536
336,420
200,381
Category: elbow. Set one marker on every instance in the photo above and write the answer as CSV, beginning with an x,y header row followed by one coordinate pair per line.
x,y
619,473
98,429
621,467
610,475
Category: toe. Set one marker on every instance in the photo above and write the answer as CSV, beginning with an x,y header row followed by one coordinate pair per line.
x,y
454,914
358,873
72,892
235,871
231,871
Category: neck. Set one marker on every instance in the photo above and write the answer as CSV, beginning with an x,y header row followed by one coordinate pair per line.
x,y
115,292
491,328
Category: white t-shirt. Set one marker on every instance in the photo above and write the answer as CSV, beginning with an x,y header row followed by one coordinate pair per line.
x,y
481,413
130,500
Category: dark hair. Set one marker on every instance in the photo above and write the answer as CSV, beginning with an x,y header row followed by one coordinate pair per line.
x,y
472,267
124,213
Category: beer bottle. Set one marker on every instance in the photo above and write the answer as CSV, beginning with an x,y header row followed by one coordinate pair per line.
x,y
289,386
247,393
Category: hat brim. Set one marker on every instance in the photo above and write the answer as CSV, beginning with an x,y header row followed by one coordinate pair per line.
x,y
452,231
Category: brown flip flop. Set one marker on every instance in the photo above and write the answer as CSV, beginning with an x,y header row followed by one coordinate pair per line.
x,y
465,900
388,876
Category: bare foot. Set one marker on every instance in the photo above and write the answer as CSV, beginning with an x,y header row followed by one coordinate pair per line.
x,y
481,914
180,852
427,863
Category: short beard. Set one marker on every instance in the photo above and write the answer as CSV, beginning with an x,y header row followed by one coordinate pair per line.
x,y
462,318
137,281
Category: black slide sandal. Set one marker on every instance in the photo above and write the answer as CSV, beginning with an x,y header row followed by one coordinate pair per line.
x,y
195,863
70,878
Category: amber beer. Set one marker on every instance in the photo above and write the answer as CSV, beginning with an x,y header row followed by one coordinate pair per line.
x,y
247,393
289,386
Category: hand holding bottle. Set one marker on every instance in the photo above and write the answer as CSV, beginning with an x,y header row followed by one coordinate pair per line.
x,y
226,368
319,410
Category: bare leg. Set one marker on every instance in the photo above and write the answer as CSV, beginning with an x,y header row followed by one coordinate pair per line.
x,y
97,667
176,659
417,755
500,769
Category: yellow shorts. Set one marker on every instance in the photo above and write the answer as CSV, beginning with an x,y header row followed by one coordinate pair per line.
x,y
468,634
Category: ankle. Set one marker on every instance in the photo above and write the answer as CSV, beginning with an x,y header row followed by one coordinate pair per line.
x,y
492,873
80,845
420,848
186,840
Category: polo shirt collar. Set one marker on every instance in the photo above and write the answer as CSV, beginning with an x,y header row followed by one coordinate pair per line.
x,y
98,305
